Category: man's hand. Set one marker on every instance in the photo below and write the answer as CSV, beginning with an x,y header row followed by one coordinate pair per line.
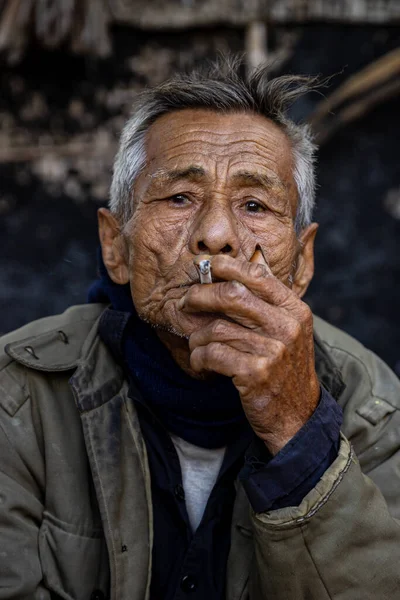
x,y
263,340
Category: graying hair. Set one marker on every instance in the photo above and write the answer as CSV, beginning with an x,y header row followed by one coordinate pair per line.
x,y
221,88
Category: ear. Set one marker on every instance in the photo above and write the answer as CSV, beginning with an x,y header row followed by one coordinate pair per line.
x,y
305,260
113,247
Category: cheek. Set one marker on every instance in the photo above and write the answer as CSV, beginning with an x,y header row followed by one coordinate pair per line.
x,y
157,231
155,246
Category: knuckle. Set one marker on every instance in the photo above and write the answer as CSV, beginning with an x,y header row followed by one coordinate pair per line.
x,y
193,341
306,314
212,351
234,291
309,319
280,351
196,358
218,327
295,330
204,357
261,366
192,293
257,271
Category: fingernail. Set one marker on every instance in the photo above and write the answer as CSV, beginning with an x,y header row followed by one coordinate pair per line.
x,y
181,303
258,256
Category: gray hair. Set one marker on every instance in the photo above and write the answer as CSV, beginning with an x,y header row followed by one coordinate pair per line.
x,y
221,88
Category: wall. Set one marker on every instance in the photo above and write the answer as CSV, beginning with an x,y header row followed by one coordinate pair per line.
x,y
59,120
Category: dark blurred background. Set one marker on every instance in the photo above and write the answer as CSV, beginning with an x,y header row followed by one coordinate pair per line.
x,y
69,71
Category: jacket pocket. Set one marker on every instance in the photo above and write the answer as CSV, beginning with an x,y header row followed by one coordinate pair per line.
x,y
74,565
375,409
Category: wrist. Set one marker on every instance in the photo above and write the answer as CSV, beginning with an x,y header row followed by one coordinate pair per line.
x,y
281,435
276,442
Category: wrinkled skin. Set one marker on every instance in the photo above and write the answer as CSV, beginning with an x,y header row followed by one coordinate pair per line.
x,y
221,185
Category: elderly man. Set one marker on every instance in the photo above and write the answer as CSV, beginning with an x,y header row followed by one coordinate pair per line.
x,y
177,439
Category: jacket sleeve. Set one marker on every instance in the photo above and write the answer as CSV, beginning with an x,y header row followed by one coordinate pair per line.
x,y
20,502
343,540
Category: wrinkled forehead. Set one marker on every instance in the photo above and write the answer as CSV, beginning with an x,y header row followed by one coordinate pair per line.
x,y
205,137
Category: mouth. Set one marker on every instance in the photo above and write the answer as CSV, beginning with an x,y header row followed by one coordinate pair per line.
x,y
176,290
186,285
192,278
189,277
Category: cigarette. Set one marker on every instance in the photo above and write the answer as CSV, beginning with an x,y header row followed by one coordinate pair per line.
x,y
205,271
203,264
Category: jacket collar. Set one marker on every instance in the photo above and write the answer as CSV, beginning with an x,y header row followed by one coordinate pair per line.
x,y
63,345
69,346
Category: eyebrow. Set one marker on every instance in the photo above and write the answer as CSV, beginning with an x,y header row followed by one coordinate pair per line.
x,y
243,178
254,179
193,173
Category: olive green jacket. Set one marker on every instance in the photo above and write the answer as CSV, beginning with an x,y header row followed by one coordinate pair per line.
x,y
75,500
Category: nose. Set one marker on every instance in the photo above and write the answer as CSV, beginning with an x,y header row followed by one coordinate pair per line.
x,y
215,232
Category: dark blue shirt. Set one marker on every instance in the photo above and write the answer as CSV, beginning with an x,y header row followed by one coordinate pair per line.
x,y
195,563
283,480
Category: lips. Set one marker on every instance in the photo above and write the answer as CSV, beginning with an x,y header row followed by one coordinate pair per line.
x,y
192,277
192,273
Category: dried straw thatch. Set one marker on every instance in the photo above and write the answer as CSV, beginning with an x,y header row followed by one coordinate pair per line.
x,y
83,25
80,25
373,85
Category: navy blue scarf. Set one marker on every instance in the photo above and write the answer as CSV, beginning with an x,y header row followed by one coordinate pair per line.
x,y
205,413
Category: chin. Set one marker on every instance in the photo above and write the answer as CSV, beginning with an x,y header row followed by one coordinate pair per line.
x,y
181,324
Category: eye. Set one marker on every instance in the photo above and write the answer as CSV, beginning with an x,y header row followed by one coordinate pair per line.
x,y
179,199
253,206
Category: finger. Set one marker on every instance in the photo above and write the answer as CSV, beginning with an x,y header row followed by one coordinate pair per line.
x,y
256,276
217,358
236,302
235,336
260,259
249,372
240,366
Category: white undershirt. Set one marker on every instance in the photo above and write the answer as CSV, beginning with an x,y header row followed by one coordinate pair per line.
x,y
200,468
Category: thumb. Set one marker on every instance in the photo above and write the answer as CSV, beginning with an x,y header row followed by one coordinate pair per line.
x,y
260,259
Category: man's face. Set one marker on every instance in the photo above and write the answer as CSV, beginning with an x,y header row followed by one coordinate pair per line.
x,y
212,184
